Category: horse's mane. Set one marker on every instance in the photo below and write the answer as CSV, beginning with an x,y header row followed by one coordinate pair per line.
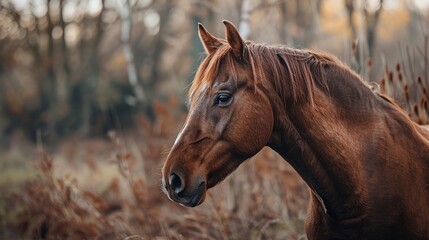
x,y
303,68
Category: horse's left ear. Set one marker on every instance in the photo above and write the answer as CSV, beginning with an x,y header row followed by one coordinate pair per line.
x,y
234,39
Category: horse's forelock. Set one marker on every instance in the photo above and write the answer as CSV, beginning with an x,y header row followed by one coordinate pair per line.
x,y
210,67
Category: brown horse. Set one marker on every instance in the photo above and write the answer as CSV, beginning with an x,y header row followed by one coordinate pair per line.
x,y
365,162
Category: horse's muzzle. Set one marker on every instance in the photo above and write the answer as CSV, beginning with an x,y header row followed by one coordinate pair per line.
x,y
179,192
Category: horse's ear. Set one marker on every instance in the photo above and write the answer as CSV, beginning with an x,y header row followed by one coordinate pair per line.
x,y
209,42
234,39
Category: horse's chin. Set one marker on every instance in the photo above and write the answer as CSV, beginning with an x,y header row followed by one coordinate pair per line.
x,y
195,201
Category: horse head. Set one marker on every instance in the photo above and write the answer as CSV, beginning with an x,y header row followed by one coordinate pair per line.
x,y
230,119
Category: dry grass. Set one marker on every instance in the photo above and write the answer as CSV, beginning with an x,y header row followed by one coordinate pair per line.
x,y
408,81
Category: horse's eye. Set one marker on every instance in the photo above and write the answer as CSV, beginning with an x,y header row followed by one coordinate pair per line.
x,y
223,99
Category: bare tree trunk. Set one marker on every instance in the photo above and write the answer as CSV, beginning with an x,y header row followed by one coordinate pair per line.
x,y
313,28
164,16
198,10
244,26
372,21
350,10
53,99
92,74
355,38
33,39
283,14
64,49
129,56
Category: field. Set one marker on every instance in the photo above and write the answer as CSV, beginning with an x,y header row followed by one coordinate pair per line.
x,y
110,189
93,93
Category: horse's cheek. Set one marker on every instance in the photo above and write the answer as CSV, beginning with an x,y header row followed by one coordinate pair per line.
x,y
253,128
262,123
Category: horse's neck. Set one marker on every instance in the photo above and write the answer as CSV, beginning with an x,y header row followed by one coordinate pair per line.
x,y
346,135
323,142
288,143
333,179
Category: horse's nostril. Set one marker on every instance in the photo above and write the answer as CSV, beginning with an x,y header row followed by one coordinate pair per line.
x,y
176,183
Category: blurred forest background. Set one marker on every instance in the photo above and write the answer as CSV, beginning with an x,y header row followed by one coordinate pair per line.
x,y
93,92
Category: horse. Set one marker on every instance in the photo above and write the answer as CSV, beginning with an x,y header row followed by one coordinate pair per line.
x,y
365,162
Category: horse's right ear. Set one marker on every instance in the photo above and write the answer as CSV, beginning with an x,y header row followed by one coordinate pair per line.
x,y
209,42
